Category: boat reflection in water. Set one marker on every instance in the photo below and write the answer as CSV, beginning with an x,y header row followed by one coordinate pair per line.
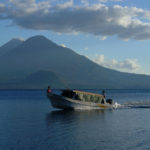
x,y
69,116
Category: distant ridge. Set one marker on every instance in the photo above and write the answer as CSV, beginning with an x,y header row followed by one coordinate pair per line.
x,y
42,78
38,62
10,45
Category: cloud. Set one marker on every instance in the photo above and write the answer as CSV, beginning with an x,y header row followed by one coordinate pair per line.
x,y
97,19
1,6
63,45
103,38
104,1
2,11
86,48
129,65
86,2
20,38
66,4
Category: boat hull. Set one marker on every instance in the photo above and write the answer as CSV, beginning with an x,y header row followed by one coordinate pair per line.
x,y
61,102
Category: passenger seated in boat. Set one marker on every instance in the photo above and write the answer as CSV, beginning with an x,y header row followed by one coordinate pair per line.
x,y
103,93
102,102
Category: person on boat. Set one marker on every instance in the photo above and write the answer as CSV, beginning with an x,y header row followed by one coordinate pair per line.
x,y
103,93
49,89
102,102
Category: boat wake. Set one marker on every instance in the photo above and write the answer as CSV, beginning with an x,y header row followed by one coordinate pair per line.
x,y
135,104
116,105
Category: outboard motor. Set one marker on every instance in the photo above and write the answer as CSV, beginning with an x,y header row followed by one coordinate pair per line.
x,y
109,101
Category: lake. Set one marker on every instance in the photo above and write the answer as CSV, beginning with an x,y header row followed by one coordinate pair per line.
x,y
28,122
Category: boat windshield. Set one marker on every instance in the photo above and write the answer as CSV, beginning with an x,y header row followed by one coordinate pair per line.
x,y
68,93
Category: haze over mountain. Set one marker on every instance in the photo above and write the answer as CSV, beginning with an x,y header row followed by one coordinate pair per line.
x,y
38,62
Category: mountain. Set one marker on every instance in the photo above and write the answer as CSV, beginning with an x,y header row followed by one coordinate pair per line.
x,y
44,78
37,80
38,62
10,45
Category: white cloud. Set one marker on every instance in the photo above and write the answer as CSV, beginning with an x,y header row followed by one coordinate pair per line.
x,y
97,19
129,65
66,4
20,38
86,48
104,1
103,38
2,11
2,5
25,7
99,59
85,2
63,45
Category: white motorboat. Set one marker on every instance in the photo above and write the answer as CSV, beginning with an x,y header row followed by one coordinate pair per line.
x,y
73,99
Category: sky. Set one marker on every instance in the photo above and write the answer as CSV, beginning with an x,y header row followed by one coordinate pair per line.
x,y
112,33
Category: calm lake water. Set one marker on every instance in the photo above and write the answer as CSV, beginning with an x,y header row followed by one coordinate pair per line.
x,y
28,122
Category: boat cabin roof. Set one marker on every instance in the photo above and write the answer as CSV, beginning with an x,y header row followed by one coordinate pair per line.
x,y
87,93
83,96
